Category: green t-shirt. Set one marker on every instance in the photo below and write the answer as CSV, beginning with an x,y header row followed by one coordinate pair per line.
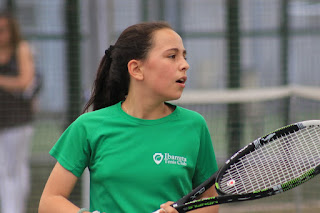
x,y
135,165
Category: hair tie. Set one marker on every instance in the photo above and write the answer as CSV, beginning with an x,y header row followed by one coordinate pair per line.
x,y
108,51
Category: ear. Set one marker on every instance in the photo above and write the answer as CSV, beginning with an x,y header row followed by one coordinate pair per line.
x,y
134,69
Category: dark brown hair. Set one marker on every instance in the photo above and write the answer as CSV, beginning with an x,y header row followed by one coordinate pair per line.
x,y
112,81
13,28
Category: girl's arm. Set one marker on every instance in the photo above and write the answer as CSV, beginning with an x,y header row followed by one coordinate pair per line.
x,y
57,191
26,70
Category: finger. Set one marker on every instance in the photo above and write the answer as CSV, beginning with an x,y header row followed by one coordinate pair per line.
x,y
167,208
166,204
163,210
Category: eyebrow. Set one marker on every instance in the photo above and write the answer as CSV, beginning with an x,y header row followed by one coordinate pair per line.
x,y
184,52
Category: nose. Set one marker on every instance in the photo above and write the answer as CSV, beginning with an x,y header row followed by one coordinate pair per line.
x,y
184,65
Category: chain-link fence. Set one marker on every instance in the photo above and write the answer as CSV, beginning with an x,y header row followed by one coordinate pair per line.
x,y
244,44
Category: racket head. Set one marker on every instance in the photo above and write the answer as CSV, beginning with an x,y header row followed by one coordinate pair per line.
x,y
276,162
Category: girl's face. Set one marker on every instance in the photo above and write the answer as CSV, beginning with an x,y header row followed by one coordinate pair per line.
x,y
164,69
5,37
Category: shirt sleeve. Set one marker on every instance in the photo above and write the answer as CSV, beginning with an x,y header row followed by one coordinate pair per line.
x,y
72,149
206,162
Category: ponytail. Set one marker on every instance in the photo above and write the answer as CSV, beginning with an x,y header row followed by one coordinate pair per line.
x,y
110,86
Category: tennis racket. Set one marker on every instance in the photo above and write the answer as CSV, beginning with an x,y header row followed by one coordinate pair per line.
x,y
272,164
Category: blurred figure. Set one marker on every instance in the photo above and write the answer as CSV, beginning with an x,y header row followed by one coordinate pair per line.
x,y
16,112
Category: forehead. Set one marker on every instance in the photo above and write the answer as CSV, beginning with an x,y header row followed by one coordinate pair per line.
x,y
167,39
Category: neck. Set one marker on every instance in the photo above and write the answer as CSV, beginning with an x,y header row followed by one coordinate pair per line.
x,y
145,109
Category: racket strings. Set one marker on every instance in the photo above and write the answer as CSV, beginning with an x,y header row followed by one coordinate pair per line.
x,y
277,162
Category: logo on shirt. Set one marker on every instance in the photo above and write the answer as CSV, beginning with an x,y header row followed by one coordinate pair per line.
x,y
168,158
157,157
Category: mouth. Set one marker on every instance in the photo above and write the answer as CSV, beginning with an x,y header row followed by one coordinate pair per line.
x,y
182,80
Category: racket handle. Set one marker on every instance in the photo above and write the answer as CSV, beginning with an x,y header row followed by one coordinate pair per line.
x,y
158,211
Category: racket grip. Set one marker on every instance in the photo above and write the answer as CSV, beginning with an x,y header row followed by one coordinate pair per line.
x,y
158,211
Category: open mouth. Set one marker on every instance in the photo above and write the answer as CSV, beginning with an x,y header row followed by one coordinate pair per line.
x,y
181,80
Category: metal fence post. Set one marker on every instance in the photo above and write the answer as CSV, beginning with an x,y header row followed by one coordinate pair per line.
x,y
73,38
234,129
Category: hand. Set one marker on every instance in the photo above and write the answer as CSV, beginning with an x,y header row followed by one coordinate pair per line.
x,y
167,208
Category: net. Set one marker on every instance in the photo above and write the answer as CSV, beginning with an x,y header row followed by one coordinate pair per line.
x,y
248,95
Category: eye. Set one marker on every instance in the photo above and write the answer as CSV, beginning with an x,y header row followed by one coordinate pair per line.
x,y
172,56
185,56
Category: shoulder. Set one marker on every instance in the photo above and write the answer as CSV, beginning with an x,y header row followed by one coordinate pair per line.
x,y
23,46
189,113
93,124
24,49
98,116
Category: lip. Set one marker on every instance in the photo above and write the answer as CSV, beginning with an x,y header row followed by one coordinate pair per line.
x,y
184,80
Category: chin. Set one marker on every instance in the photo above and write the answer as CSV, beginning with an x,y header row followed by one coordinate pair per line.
x,y
174,98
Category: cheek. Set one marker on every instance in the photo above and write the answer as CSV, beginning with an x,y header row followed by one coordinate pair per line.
x,y
164,71
164,78
159,72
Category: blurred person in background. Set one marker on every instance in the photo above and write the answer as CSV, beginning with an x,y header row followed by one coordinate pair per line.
x,y
16,111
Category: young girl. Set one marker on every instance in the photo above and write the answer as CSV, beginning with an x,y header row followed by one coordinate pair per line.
x,y
140,150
